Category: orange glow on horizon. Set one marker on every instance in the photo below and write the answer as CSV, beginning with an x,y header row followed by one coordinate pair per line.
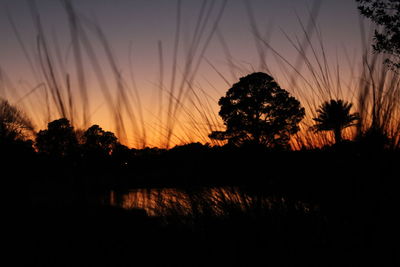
x,y
148,94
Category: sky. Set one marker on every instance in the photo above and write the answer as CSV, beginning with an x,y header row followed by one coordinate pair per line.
x,y
136,31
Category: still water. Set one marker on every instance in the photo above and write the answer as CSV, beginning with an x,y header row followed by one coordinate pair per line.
x,y
215,201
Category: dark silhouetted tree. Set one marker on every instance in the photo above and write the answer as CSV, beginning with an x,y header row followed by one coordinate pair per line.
x,y
15,131
257,111
58,140
334,115
14,124
124,158
96,140
386,14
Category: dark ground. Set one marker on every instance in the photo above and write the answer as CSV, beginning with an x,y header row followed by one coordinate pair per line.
x,y
355,196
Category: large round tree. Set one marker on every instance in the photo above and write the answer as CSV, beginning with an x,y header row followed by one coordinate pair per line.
x,y
257,111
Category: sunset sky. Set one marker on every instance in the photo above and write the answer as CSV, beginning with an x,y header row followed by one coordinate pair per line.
x,y
137,29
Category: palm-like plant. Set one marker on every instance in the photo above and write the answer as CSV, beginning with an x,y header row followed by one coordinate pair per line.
x,y
334,115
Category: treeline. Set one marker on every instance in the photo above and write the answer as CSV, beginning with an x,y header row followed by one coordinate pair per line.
x,y
97,156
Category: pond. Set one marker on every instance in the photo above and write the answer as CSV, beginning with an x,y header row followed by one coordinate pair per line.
x,y
212,201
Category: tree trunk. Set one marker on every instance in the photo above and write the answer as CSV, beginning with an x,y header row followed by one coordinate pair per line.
x,y
338,135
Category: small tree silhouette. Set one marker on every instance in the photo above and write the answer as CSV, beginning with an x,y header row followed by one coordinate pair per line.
x,y
334,115
58,140
99,141
14,124
256,110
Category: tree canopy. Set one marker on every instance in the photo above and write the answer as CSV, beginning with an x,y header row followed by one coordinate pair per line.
x,y
99,141
58,139
386,14
257,111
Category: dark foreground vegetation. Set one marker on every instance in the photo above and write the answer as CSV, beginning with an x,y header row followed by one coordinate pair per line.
x,y
334,206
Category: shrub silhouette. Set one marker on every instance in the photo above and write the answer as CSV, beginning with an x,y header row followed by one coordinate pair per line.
x,y
257,111
334,115
14,124
58,140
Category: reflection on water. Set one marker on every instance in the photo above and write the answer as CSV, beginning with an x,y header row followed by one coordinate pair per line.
x,y
213,201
